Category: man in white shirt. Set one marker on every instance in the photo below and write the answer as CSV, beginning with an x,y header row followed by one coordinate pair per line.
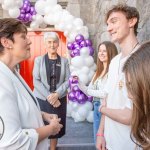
x,y
114,131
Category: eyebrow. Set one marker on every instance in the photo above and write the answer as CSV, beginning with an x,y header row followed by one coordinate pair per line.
x,y
112,19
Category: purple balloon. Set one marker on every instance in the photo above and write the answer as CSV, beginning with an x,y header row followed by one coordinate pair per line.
x,y
83,44
91,50
24,6
81,99
26,2
76,46
89,98
76,52
28,9
32,10
75,88
71,96
28,17
70,46
88,42
79,38
21,16
22,11
77,94
72,54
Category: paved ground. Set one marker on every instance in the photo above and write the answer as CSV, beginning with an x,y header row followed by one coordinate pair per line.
x,y
77,132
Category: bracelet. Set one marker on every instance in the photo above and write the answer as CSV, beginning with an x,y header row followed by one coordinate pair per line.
x,y
100,134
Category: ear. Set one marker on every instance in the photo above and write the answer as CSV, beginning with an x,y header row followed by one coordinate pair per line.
x,y
132,22
6,43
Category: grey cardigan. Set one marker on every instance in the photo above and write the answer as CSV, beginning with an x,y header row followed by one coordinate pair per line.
x,y
41,87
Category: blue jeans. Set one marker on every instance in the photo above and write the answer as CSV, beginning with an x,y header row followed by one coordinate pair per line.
x,y
97,118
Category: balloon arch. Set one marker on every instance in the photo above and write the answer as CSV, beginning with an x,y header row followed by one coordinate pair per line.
x,y
48,12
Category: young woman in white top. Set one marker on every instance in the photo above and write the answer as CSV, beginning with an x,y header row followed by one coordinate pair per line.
x,y
106,51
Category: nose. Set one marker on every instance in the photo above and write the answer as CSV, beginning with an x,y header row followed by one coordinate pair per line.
x,y
29,41
109,27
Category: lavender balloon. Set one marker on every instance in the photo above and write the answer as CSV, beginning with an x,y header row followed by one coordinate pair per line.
x,y
79,38
88,42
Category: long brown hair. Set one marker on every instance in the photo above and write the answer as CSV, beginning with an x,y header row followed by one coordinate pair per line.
x,y
111,52
137,69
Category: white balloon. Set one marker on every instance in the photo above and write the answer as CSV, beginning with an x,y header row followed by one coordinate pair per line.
x,y
69,110
93,67
57,8
90,117
85,70
47,10
34,25
39,19
9,4
90,75
83,78
89,61
83,112
84,51
19,3
14,12
51,2
1,1
39,7
43,25
77,61
75,106
73,113
78,22
78,117
88,106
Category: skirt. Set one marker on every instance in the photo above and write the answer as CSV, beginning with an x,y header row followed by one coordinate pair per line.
x,y
60,111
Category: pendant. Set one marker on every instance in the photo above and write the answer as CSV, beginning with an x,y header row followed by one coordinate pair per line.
x,y
120,84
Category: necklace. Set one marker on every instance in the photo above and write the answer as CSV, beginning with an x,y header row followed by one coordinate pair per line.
x,y
121,81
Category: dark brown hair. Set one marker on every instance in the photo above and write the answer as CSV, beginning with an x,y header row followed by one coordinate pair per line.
x,y
111,52
128,11
10,26
137,69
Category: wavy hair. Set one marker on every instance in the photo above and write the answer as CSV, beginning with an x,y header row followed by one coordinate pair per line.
x,y
136,70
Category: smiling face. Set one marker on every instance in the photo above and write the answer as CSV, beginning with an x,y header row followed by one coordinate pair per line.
x,y
102,54
118,26
52,45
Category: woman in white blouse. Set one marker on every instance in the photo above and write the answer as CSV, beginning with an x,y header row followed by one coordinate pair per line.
x,y
21,118
106,51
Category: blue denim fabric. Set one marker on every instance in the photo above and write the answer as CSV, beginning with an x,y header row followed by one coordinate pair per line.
x,y
97,118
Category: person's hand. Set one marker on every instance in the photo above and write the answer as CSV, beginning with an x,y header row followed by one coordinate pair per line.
x,y
57,104
48,117
55,126
52,98
100,143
